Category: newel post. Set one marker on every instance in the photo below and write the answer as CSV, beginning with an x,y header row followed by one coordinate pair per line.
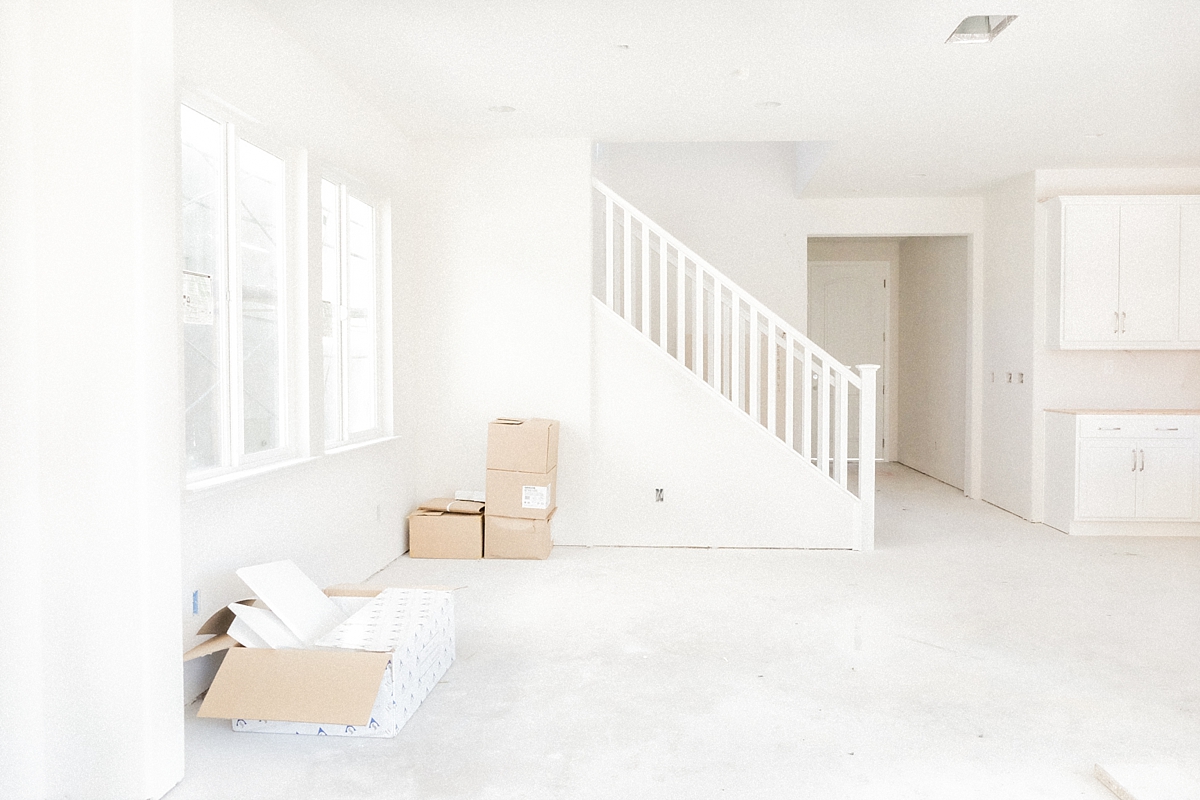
x,y
866,455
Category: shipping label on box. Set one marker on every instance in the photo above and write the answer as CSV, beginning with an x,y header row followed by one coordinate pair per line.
x,y
522,445
521,495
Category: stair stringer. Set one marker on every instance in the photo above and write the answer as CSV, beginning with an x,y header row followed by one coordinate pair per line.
x,y
727,481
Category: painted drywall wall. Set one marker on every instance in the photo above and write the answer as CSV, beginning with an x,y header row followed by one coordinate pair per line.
x,y
22,732
1108,378
341,516
726,481
934,356
877,249
499,247
89,473
1008,344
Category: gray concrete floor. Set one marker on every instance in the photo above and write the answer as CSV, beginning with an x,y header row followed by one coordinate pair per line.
x,y
972,655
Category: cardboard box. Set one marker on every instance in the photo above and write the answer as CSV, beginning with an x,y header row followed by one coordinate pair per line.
x,y
522,495
446,528
364,677
522,445
505,537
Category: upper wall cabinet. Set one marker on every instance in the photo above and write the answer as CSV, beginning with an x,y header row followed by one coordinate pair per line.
x,y
1124,272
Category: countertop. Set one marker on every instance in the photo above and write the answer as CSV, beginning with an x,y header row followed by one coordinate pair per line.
x,y
1166,412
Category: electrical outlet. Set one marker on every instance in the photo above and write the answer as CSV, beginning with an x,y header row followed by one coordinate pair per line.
x,y
196,603
1020,377
658,495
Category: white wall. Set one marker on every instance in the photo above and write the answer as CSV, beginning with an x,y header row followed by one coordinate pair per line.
x,y
1009,321
1108,378
727,482
934,356
91,414
499,251
340,517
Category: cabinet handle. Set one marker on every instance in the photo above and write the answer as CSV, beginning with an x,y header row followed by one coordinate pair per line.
x,y
1166,429
1122,322
1134,460
1143,467
1109,429
1116,322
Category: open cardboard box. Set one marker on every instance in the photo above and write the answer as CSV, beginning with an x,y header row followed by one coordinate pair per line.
x,y
366,676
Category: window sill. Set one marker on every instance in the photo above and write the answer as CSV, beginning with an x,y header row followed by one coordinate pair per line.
x,y
351,446
228,479
241,477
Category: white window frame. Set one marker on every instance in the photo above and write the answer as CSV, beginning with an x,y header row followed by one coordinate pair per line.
x,y
226,291
347,187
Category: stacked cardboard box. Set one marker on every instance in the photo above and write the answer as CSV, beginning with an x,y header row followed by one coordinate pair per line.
x,y
446,528
522,473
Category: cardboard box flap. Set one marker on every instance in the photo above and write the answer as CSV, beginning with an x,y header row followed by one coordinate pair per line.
x,y
321,686
452,506
214,645
352,590
219,622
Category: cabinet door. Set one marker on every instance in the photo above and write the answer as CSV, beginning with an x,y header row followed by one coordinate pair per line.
x,y
1189,272
1149,287
1166,480
1091,252
1107,476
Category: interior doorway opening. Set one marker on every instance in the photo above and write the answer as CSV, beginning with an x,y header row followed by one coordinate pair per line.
x,y
903,303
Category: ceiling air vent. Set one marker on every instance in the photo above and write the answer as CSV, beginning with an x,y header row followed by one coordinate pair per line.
x,y
979,30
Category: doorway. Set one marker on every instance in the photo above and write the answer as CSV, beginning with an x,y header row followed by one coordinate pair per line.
x,y
848,314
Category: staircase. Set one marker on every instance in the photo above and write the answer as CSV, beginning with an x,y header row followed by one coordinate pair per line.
x,y
783,384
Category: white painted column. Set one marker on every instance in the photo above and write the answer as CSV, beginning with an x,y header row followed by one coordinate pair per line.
x,y
21,714
91,398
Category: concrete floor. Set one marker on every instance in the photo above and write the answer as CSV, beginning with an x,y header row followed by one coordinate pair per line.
x,y
972,655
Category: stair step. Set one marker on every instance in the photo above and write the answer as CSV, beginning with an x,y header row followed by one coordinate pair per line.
x,y
1148,782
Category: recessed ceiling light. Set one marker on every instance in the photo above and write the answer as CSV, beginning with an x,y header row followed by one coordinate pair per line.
x,y
768,104
622,47
501,109
980,29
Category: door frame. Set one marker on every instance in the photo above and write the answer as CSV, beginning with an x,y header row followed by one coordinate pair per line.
x,y
890,351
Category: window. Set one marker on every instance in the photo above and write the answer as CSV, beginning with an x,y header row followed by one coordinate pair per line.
x,y
234,250
349,278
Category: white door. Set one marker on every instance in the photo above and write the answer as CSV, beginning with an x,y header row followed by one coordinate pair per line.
x,y
848,317
1149,292
1107,479
1166,474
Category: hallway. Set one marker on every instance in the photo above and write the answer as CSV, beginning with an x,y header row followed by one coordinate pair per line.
x,y
971,655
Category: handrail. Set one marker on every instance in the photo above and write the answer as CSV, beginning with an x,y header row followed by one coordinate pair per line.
x,y
726,281
727,353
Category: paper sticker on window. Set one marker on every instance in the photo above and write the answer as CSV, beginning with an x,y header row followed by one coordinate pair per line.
x,y
197,299
535,497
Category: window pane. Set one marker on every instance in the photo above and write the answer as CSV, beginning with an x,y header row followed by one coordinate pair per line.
x,y
360,288
331,299
260,234
204,320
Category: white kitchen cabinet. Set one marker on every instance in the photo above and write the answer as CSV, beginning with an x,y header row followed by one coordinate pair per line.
x,y
1124,272
1122,473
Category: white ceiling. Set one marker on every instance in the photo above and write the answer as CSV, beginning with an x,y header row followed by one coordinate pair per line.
x,y
906,113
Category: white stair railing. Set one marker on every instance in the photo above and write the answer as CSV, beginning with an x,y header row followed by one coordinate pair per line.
x,y
740,348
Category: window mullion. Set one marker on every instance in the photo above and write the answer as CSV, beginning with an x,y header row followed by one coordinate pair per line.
x,y
344,307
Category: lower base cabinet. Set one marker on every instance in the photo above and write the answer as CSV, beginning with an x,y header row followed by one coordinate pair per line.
x,y
1122,474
